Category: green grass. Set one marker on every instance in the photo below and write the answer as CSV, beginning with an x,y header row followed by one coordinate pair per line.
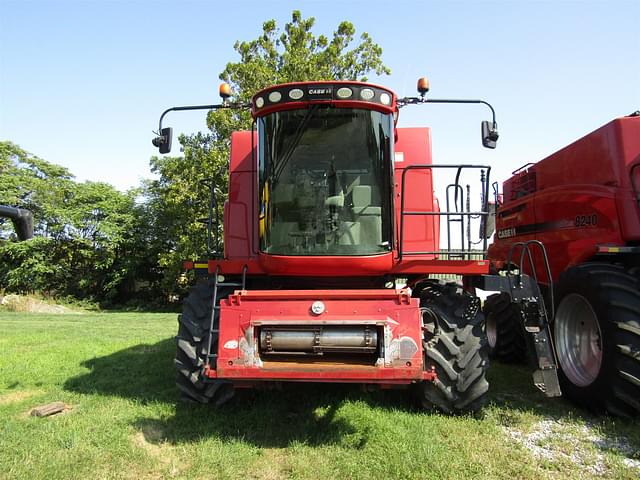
x,y
116,373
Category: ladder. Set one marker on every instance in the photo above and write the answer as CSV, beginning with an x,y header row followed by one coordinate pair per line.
x,y
214,323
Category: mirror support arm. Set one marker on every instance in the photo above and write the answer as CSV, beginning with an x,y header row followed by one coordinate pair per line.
x,y
417,100
444,100
163,139
190,107
489,130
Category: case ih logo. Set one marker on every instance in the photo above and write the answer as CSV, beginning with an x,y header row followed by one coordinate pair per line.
x,y
320,92
506,233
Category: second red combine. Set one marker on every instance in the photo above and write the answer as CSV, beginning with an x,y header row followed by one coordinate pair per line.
x,y
583,203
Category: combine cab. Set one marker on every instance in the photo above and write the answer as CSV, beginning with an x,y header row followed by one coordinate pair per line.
x,y
332,253
582,203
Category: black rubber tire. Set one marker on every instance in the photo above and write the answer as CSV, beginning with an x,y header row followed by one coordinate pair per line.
x,y
614,296
455,345
192,342
504,317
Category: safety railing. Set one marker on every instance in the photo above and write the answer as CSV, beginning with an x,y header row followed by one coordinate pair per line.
x,y
212,221
458,214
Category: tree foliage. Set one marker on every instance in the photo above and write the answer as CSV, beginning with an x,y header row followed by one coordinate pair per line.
x,y
27,181
178,202
294,54
88,242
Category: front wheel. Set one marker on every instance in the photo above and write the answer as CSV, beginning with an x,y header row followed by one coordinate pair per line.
x,y
455,346
597,338
192,346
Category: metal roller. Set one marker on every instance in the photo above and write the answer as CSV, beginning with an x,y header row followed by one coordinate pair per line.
x,y
318,340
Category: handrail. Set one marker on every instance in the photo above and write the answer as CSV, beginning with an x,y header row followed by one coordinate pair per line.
x,y
484,213
526,249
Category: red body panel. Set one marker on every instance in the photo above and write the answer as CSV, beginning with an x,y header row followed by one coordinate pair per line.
x,y
326,266
240,219
420,233
393,312
576,199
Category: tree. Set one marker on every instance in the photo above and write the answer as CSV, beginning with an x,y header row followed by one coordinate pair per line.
x,y
178,205
180,196
89,243
29,182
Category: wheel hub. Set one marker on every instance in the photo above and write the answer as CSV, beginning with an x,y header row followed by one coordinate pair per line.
x,y
578,340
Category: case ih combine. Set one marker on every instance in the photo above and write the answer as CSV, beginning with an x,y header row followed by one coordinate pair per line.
x,y
331,242
583,204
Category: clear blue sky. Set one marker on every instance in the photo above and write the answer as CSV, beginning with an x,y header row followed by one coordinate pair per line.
x,y
82,83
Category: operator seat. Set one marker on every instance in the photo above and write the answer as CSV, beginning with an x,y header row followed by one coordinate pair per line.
x,y
367,215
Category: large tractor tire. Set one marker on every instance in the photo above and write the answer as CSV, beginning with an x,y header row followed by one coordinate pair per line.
x,y
505,333
192,343
597,337
455,346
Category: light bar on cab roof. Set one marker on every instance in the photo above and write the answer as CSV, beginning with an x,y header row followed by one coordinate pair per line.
x,y
276,97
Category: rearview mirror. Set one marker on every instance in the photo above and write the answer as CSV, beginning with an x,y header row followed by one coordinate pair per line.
x,y
163,141
489,134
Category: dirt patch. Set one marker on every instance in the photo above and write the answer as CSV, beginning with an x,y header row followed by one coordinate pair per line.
x,y
152,440
554,441
156,451
272,465
19,303
16,396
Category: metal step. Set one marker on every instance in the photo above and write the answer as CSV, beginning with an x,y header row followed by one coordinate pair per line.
x,y
547,382
545,378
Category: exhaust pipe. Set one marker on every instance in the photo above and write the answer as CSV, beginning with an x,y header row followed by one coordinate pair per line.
x,y
22,221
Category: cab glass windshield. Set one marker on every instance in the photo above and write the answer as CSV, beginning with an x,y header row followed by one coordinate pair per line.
x,y
325,181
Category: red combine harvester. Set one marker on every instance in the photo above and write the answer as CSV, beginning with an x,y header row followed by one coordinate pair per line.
x,y
583,204
331,242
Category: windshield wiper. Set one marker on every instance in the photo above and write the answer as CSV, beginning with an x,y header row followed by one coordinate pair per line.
x,y
302,126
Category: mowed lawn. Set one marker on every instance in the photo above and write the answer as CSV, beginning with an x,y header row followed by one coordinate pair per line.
x,y
115,372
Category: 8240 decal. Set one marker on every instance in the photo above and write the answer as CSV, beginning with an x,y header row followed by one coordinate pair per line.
x,y
586,220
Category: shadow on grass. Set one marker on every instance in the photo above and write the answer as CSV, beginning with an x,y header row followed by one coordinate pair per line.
x,y
304,413
143,373
298,413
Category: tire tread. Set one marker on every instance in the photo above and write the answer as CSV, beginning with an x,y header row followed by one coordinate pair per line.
x,y
456,348
191,349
